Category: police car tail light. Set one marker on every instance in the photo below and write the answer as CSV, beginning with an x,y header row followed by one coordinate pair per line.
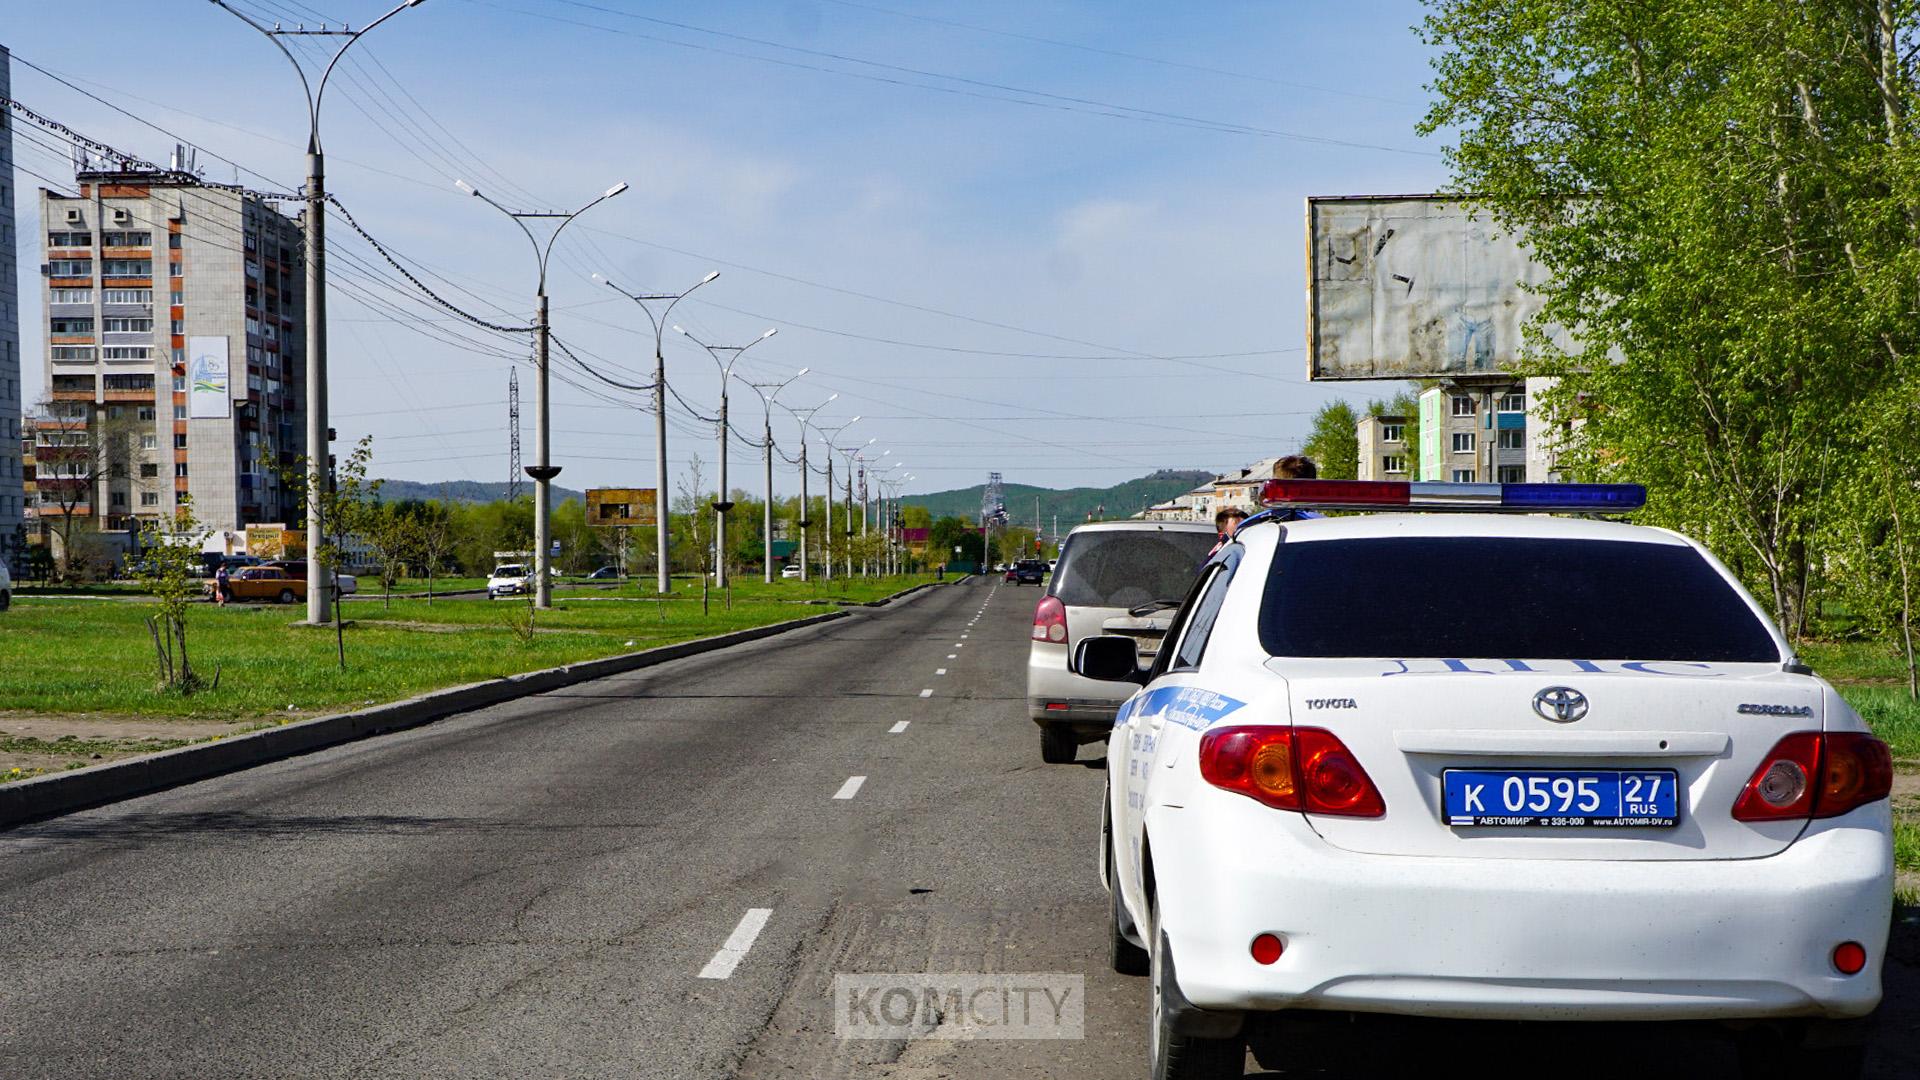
x,y
1429,495
1306,769
1782,787
1050,620
1855,769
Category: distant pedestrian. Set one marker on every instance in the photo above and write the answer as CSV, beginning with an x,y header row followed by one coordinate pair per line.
x,y
222,586
1294,467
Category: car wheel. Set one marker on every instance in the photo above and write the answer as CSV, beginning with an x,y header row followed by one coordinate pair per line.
x,y
1126,957
1172,1054
1058,744
286,596
1809,1051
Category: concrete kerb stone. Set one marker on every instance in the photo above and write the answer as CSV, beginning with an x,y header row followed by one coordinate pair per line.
x,y
61,793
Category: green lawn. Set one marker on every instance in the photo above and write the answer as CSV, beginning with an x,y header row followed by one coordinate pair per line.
x,y
70,656
1872,675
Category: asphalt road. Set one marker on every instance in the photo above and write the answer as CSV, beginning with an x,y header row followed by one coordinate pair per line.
x,y
537,889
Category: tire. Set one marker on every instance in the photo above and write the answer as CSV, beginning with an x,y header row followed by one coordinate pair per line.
x,y
286,596
1124,956
1772,1053
1058,744
1170,1054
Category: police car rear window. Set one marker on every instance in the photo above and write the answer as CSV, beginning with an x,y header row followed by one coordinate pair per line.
x,y
1505,598
1127,567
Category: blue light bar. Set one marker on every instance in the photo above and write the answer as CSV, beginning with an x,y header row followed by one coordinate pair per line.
x,y
1574,498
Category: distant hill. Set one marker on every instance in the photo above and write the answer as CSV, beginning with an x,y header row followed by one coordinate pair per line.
x,y
467,491
1072,505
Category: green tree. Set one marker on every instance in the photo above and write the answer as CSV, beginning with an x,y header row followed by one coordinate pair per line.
x,y
1334,443
1726,196
948,533
170,552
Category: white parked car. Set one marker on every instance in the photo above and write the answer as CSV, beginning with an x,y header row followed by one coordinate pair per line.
x,y
1114,577
1497,767
509,579
790,571
6,587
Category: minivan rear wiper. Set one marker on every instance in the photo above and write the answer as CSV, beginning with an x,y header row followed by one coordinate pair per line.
x,y
1152,606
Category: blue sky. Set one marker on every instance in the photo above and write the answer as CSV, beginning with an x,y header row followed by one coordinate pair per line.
x,y
856,172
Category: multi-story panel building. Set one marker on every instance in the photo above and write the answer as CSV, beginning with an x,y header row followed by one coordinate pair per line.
x,y
178,309
1474,433
1384,453
13,502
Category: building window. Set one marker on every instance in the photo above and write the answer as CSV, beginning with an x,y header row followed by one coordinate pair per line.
x,y
73,352
149,471
149,442
176,297
146,412
1393,463
173,241
1513,474
179,412
127,352
1464,405
127,268
1513,438
1463,442
72,325
179,383
73,384
70,268
117,498
1513,401
143,383
179,326
1463,476
179,468
149,498
173,269
69,296
127,296
127,326
126,239
69,239
179,440
1393,433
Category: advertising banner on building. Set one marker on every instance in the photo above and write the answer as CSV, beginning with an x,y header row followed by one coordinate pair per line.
x,y
628,507
209,379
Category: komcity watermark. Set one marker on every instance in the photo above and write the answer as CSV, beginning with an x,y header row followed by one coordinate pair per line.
x,y
1042,1005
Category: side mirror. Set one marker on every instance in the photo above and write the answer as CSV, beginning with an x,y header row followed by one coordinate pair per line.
x,y
1109,658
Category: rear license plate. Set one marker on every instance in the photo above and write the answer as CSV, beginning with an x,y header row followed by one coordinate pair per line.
x,y
1562,798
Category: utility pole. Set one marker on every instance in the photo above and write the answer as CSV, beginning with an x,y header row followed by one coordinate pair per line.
x,y
513,434
314,226
664,584
766,408
722,502
803,416
827,435
543,471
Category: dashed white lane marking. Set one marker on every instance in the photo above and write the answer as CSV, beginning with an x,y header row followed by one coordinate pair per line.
x,y
851,788
953,656
738,942
957,645
927,692
939,671
898,728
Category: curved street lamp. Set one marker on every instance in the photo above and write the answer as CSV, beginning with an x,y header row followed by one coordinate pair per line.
x,y
659,323
543,471
722,503
768,392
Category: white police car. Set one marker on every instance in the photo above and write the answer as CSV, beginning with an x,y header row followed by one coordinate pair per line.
x,y
1489,766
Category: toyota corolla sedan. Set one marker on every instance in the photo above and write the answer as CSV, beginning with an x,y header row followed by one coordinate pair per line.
x,y
1497,766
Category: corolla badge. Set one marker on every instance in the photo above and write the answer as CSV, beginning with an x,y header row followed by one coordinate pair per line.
x,y
1560,704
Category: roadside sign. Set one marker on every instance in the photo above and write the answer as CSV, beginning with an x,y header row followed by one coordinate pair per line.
x,y
620,507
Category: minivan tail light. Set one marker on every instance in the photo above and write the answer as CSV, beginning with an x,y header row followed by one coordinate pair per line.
x,y
1306,769
1809,774
1050,620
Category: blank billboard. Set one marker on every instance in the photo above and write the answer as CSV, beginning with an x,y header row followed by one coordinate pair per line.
x,y
1414,286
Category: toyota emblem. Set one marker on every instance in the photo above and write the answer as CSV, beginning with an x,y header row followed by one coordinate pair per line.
x,y
1560,704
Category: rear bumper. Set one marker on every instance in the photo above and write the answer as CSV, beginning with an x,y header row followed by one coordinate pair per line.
x,y
1519,939
1089,704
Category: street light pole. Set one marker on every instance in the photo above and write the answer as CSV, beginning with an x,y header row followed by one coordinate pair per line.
x,y
543,470
722,503
827,435
804,416
665,582
319,579
766,409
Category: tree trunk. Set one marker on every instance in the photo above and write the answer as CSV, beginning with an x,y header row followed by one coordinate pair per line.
x,y
1906,590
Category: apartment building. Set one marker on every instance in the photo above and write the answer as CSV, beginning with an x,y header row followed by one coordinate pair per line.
x,y
13,502
1384,453
1474,433
179,310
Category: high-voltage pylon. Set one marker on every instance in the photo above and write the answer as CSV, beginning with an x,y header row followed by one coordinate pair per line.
x,y
993,502
513,434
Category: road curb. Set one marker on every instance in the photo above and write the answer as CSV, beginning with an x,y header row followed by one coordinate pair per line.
x,y
62,793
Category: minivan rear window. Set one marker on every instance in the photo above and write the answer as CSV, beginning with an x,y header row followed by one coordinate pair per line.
x,y
1506,598
1126,567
